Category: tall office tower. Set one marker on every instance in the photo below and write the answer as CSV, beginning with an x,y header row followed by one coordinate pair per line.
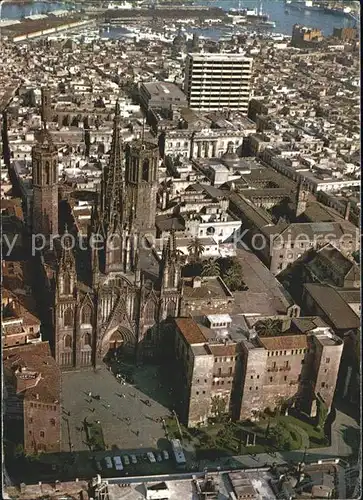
x,y
217,81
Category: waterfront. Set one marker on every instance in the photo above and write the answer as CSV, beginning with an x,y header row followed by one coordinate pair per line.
x,y
274,8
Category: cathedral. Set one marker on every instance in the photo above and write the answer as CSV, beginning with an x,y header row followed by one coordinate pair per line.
x,y
114,293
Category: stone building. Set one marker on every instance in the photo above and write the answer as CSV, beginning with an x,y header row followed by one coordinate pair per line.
x,y
207,361
33,411
243,375
292,367
112,292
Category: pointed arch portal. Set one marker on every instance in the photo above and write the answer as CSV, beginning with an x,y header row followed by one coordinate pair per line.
x,y
120,341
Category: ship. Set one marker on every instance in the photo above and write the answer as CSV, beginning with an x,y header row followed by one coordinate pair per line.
x,y
304,5
253,15
338,11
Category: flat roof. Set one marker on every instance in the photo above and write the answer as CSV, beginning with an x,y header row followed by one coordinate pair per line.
x,y
164,89
221,56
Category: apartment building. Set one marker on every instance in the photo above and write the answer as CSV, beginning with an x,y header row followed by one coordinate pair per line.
x,y
217,81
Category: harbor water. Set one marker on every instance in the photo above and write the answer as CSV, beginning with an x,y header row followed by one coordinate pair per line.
x,y
275,9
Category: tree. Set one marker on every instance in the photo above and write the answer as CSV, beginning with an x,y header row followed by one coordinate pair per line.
x,y
218,407
211,268
322,412
233,274
196,249
280,437
268,328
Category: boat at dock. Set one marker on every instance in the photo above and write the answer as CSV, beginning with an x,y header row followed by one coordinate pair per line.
x,y
302,5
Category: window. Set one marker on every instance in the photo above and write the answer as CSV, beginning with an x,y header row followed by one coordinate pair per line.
x,y
323,384
197,393
271,379
285,378
68,317
41,434
52,422
66,284
86,315
87,339
327,360
30,420
219,372
145,170
68,341
203,392
150,312
250,388
251,376
258,376
256,388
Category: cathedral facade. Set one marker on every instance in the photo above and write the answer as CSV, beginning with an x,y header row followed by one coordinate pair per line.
x,y
114,293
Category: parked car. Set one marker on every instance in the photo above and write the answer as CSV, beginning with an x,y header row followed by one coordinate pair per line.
x,y
165,455
151,457
118,463
159,457
126,460
133,459
108,462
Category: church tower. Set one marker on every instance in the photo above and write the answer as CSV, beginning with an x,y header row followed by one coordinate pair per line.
x,y
65,304
142,162
170,279
46,105
45,186
301,199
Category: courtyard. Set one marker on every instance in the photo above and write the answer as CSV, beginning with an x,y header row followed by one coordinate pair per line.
x,y
130,415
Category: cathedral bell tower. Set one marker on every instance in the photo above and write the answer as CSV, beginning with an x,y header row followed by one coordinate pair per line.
x,y
142,162
45,186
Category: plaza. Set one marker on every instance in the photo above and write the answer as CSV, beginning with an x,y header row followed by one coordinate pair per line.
x,y
129,414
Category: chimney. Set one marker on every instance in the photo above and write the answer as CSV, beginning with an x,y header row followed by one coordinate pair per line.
x,y
347,211
197,282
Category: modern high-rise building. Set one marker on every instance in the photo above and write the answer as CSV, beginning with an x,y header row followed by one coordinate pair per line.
x,y
217,81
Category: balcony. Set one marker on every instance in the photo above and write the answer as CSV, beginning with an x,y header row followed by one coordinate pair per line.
x,y
285,368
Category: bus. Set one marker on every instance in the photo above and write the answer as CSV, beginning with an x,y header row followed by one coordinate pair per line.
x,y
178,453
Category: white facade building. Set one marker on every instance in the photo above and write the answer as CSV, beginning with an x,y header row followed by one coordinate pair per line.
x,y
217,81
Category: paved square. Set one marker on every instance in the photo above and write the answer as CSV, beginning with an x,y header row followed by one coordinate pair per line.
x,y
117,404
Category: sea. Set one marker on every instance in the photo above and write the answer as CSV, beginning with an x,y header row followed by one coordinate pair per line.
x,y
275,9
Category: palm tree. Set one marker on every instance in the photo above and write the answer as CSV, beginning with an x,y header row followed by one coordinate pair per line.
x,y
196,248
211,268
268,328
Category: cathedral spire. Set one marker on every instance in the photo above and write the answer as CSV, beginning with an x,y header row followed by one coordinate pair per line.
x,y
67,257
112,182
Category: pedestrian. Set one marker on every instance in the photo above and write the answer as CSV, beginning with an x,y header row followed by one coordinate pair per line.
x,y
137,433
69,414
90,394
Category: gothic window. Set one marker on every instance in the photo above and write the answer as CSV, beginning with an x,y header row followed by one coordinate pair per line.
x,y
87,339
149,312
68,317
145,170
66,284
47,172
68,341
115,248
86,315
170,309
